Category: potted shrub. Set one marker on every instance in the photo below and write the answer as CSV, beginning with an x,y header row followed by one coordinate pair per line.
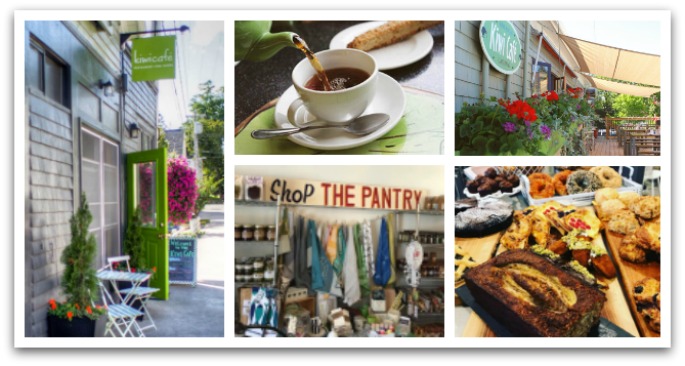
x,y
76,317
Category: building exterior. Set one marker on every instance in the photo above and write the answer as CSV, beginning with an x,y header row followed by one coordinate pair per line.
x,y
77,139
475,76
177,142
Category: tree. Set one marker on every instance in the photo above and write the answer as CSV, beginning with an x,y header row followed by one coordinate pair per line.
x,y
631,106
208,107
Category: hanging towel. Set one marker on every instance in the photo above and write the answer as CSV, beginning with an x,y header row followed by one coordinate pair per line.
x,y
362,271
350,274
322,270
391,244
302,276
332,246
369,258
339,250
383,265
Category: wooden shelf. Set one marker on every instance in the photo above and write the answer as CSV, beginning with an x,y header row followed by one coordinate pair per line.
x,y
273,204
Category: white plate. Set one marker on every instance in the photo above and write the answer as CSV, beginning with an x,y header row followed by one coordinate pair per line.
x,y
396,55
389,99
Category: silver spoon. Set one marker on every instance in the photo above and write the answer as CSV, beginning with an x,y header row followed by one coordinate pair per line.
x,y
360,126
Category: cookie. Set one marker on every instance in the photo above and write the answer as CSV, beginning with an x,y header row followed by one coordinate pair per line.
x,y
646,290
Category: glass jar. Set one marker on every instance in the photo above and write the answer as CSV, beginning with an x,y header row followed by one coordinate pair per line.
x,y
259,232
238,234
248,232
258,277
258,265
271,233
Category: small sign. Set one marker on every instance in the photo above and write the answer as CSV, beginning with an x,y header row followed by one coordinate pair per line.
x,y
501,45
315,193
153,58
182,261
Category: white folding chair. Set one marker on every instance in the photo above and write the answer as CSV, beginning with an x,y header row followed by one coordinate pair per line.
x,y
121,318
135,296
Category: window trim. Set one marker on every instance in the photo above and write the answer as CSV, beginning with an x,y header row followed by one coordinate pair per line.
x,y
48,53
550,75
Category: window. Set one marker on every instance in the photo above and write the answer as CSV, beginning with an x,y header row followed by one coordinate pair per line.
x,y
100,181
46,73
542,77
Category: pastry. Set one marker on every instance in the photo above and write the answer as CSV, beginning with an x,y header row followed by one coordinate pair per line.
x,y
604,265
541,185
647,207
648,236
630,251
582,182
628,198
389,33
516,236
490,173
532,296
472,186
462,263
645,291
623,222
488,187
608,176
488,217
506,187
560,182
609,207
653,317
541,228
513,179
605,194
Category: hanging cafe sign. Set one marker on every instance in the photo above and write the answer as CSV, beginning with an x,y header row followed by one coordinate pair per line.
x,y
501,45
153,58
313,193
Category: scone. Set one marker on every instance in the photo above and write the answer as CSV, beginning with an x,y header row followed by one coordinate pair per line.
x,y
648,207
630,251
646,290
648,236
623,222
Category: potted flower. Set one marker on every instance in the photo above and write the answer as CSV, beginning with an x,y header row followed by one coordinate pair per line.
x,y
76,317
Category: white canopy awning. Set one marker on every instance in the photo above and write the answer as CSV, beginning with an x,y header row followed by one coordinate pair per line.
x,y
622,88
615,63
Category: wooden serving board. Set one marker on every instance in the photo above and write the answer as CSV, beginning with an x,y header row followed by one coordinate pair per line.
x,y
629,274
616,309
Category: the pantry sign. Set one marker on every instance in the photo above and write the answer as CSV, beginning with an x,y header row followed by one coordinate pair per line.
x,y
313,193
153,58
501,45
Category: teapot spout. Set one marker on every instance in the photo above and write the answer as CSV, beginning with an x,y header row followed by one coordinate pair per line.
x,y
269,45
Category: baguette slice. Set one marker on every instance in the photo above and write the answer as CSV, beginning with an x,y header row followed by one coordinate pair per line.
x,y
389,33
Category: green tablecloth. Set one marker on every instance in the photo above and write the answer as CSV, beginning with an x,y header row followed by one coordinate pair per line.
x,y
420,131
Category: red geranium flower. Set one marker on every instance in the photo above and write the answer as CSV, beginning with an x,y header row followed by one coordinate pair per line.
x,y
522,110
551,96
70,315
89,310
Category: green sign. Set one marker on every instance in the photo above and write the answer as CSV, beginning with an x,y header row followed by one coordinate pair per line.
x,y
501,45
153,58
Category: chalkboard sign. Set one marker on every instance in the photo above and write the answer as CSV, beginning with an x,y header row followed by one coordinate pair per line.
x,y
183,261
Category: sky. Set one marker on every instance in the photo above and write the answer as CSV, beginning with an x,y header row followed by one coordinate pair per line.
x,y
201,58
631,35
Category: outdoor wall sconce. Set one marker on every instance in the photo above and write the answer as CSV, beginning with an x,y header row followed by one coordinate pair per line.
x,y
133,130
107,87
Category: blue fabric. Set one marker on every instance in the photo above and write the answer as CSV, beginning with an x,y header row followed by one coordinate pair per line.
x,y
383,264
322,271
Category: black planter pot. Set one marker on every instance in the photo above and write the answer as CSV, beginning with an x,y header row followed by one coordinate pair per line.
x,y
77,327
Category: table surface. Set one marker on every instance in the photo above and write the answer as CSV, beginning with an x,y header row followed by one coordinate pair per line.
x,y
110,275
257,83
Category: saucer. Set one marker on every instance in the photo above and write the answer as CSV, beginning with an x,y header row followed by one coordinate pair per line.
x,y
389,57
389,99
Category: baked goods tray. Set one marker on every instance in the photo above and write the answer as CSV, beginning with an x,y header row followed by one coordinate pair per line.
x,y
579,199
605,328
471,174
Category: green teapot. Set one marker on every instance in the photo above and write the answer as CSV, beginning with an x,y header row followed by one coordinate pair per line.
x,y
254,42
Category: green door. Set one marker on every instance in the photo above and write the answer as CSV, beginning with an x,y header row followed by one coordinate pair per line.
x,y
146,186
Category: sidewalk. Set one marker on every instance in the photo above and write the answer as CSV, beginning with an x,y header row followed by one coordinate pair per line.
x,y
197,311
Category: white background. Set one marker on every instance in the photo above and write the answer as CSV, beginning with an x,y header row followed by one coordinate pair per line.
x,y
177,355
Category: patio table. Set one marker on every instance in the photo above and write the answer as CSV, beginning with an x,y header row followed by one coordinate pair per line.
x,y
135,278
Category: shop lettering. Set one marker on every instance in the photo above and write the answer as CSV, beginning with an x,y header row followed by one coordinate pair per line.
x,y
502,44
166,57
280,187
344,195
341,195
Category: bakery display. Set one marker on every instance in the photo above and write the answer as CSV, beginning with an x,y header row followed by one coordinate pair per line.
x,y
533,296
481,218
541,185
389,33
608,176
560,180
583,181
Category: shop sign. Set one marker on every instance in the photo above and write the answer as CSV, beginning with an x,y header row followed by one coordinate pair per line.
x,y
501,45
313,193
153,58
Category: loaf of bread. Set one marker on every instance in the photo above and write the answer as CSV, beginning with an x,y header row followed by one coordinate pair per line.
x,y
534,297
389,33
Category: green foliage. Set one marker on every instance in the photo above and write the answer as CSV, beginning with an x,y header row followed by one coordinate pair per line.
x,y
161,139
655,106
631,106
79,281
208,185
208,107
134,241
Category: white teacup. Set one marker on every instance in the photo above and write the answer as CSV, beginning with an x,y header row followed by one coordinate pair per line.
x,y
337,106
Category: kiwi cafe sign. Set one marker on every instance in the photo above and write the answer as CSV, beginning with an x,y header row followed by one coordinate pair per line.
x,y
501,45
153,58
312,193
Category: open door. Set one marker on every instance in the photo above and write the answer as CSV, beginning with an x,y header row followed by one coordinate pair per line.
x,y
146,184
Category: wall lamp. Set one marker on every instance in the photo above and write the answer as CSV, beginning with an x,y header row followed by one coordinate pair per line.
x,y
107,87
133,130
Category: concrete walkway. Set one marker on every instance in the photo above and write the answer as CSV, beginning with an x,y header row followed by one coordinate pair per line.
x,y
197,311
